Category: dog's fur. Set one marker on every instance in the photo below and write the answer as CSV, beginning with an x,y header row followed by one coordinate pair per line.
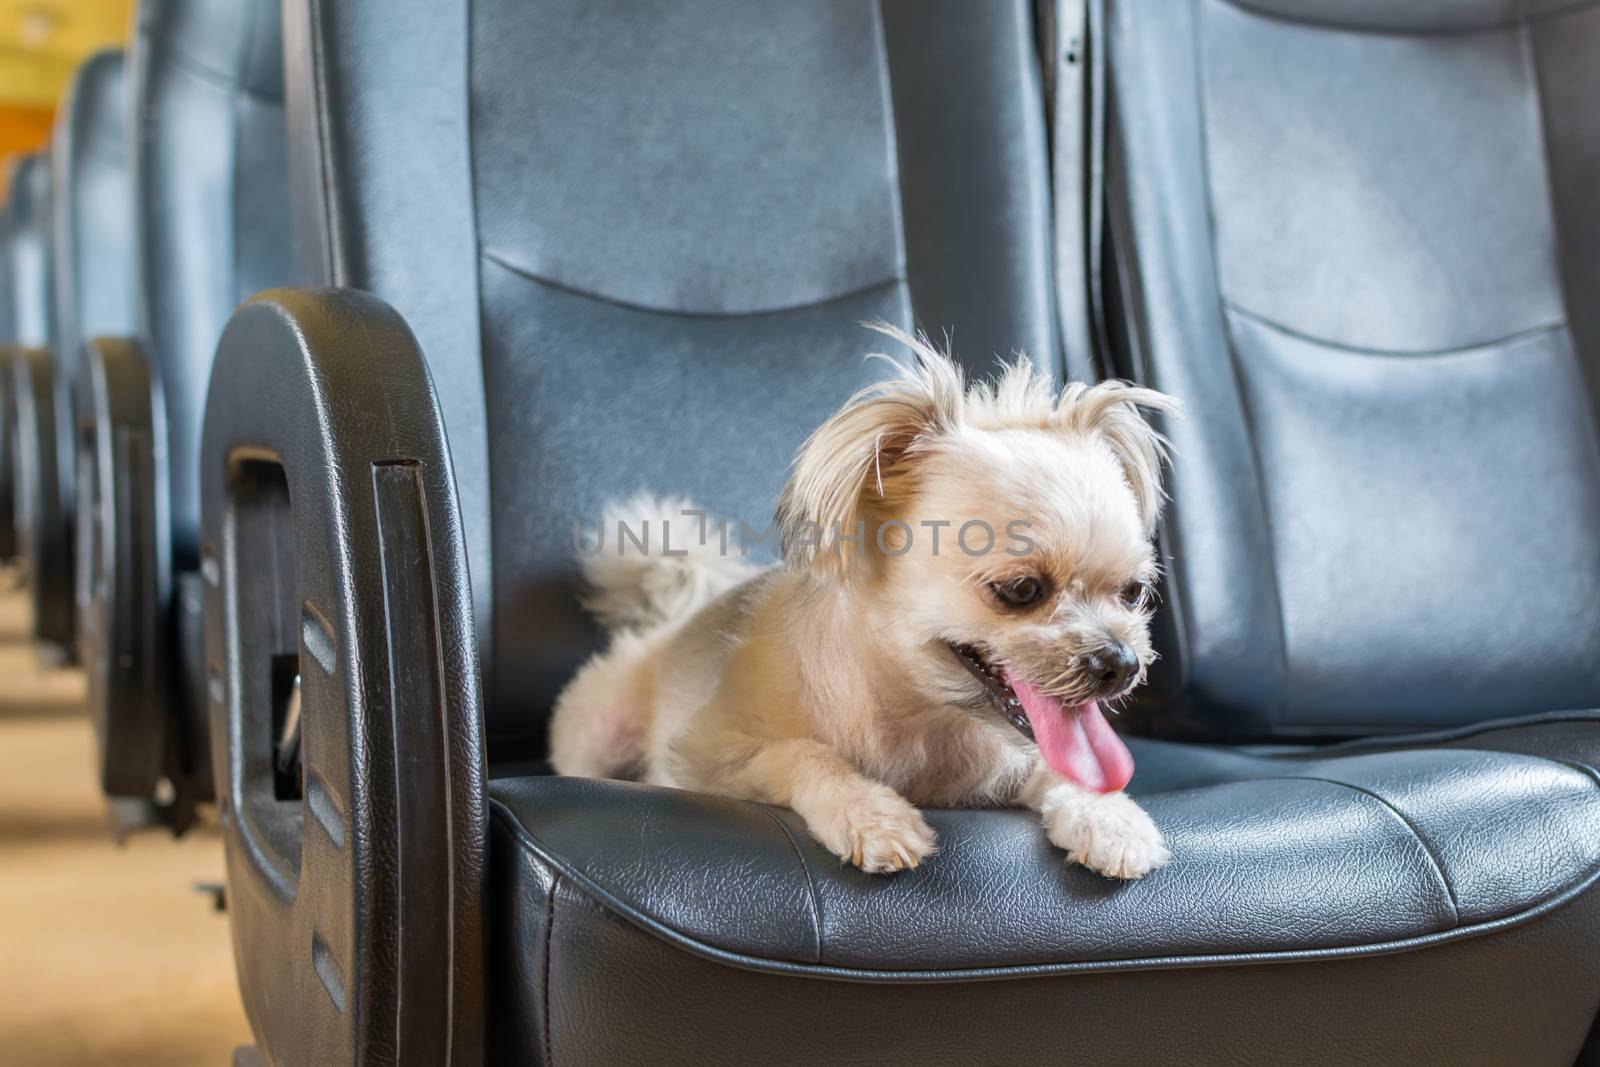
x,y
829,684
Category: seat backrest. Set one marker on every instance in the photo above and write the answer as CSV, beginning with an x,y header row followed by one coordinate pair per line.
x,y
8,333
92,227
637,242
1359,240
211,202
28,251
8,296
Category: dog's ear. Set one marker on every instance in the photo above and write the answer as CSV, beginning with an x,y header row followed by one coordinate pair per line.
x,y
1111,410
859,465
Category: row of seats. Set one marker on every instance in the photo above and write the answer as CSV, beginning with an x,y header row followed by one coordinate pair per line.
x,y
533,241
160,203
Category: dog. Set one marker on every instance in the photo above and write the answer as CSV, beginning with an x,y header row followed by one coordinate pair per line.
x,y
967,579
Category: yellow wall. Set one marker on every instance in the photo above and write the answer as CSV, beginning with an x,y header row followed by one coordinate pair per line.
x,y
41,44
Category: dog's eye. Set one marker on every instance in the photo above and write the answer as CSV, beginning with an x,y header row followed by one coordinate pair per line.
x,y
1019,592
1136,595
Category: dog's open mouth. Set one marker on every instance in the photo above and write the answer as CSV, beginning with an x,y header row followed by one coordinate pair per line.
x,y
1075,740
1000,691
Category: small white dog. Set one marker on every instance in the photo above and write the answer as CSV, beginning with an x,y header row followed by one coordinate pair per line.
x,y
967,577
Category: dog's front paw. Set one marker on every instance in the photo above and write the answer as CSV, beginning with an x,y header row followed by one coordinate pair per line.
x,y
878,830
1110,834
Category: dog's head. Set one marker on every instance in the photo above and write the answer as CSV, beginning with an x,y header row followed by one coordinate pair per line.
x,y
1006,531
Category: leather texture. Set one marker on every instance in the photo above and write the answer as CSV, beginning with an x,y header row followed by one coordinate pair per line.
x,y
1407,851
657,227
380,183
354,892
619,995
210,177
1420,17
1317,851
1353,239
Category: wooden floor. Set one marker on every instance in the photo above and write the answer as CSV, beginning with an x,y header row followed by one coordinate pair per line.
x,y
107,954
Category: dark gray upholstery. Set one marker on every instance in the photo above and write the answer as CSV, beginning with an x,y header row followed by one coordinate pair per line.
x,y
93,265
8,415
1325,856
89,281
822,171
28,251
24,297
8,500
8,297
1359,245
210,189
1445,834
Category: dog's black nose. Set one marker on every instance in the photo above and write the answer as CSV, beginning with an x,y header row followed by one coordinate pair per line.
x,y
1112,666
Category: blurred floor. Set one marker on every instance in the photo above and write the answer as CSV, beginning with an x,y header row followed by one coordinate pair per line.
x,y
107,955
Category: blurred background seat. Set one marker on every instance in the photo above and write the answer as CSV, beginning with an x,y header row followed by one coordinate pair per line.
x,y
93,274
28,357
1359,244
209,199
8,530
90,290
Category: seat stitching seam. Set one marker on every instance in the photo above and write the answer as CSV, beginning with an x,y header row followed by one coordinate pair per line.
x,y
1522,19
1435,738
1530,53
1470,348
178,59
811,885
233,84
549,936
1587,770
589,294
1422,841
1236,376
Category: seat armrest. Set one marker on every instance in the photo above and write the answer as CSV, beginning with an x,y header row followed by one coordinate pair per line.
x,y
40,510
337,596
8,444
124,570
147,712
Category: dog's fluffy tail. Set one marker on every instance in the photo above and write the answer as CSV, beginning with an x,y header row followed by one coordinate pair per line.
x,y
660,560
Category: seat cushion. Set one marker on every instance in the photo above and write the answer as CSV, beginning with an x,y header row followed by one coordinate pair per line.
x,y
1281,855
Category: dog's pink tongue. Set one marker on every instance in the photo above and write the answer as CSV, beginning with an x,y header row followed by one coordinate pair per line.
x,y
1077,742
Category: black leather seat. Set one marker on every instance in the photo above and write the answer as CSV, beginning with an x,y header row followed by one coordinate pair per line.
x,y
28,289
1427,901
209,199
8,333
1370,284
28,245
28,227
92,288
593,216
